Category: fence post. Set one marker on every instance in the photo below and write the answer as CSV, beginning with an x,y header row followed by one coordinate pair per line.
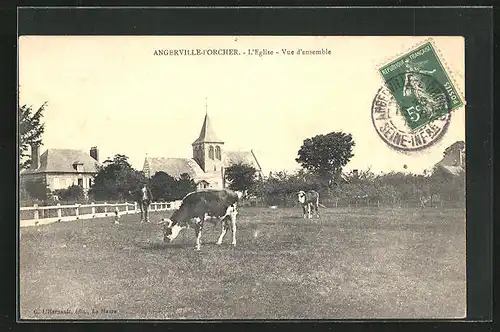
x,y
126,207
77,211
59,211
93,208
135,207
105,209
36,215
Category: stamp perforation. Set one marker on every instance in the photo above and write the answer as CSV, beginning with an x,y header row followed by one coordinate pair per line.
x,y
448,71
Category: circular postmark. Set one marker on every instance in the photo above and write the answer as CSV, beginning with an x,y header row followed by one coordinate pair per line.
x,y
411,111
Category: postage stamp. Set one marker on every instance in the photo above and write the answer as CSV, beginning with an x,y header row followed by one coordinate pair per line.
x,y
421,93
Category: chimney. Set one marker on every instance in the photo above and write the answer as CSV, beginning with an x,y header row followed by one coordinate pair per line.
x,y
355,173
35,156
94,153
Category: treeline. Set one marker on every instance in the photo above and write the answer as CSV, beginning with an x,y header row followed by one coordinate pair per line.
x,y
362,188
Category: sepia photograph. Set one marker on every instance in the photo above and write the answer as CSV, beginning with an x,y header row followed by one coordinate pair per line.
x,y
242,177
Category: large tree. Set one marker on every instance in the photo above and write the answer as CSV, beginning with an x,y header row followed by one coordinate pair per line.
x,y
31,130
165,187
241,176
326,155
115,179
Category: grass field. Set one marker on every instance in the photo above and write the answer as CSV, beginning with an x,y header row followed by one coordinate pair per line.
x,y
350,263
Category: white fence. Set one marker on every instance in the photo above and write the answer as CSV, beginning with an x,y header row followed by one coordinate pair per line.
x,y
49,214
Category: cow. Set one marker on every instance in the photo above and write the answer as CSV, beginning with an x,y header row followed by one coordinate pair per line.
x,y
424,200
308,200
433,200
144,198
202,205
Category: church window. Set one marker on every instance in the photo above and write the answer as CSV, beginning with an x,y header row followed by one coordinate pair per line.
x,y
211,152
218,153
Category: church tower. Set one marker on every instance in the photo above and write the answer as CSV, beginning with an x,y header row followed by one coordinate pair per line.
x,y
208,149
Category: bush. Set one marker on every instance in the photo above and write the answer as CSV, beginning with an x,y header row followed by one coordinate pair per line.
x,y
34,190
72,193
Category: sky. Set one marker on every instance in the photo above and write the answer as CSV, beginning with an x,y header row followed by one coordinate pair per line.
x,y
114,93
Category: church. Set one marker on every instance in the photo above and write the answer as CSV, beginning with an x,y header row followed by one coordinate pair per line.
x,y
207,166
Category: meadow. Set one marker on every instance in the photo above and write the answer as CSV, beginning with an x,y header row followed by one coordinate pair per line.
x,y
352,263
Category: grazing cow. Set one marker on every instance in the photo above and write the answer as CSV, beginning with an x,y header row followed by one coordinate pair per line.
x,y
199,206
144,198
307,200
432,200
424,200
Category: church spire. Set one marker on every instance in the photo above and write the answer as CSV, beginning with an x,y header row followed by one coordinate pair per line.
x,y
207,134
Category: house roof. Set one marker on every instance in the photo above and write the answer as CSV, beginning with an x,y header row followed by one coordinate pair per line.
x,y
245,157
62,160
453,170
207,134
173,166
453,161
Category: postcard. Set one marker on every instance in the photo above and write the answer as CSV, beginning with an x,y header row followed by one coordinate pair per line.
x,y
242,177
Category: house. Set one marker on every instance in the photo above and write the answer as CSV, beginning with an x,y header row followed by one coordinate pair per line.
x,y
453,162
207,166
61,168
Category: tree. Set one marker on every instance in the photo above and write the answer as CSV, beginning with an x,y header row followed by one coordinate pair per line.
x,y
163,186
30,131
34,189
115,179
185,185
325,155
241,176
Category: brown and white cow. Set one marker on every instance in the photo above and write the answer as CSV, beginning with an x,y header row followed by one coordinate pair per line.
x,y
199,206
309,199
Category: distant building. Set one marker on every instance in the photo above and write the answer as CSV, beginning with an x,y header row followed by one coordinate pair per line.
x,y
207,166
61,168
453,162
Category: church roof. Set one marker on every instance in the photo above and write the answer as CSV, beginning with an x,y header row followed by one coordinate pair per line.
x,y
172,166
207,134
62,160
245,157
176,166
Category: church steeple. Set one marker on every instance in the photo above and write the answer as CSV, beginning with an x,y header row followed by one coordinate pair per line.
x,y
207,134
208,148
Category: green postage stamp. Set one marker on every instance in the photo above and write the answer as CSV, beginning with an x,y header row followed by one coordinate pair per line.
x,y
421,86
